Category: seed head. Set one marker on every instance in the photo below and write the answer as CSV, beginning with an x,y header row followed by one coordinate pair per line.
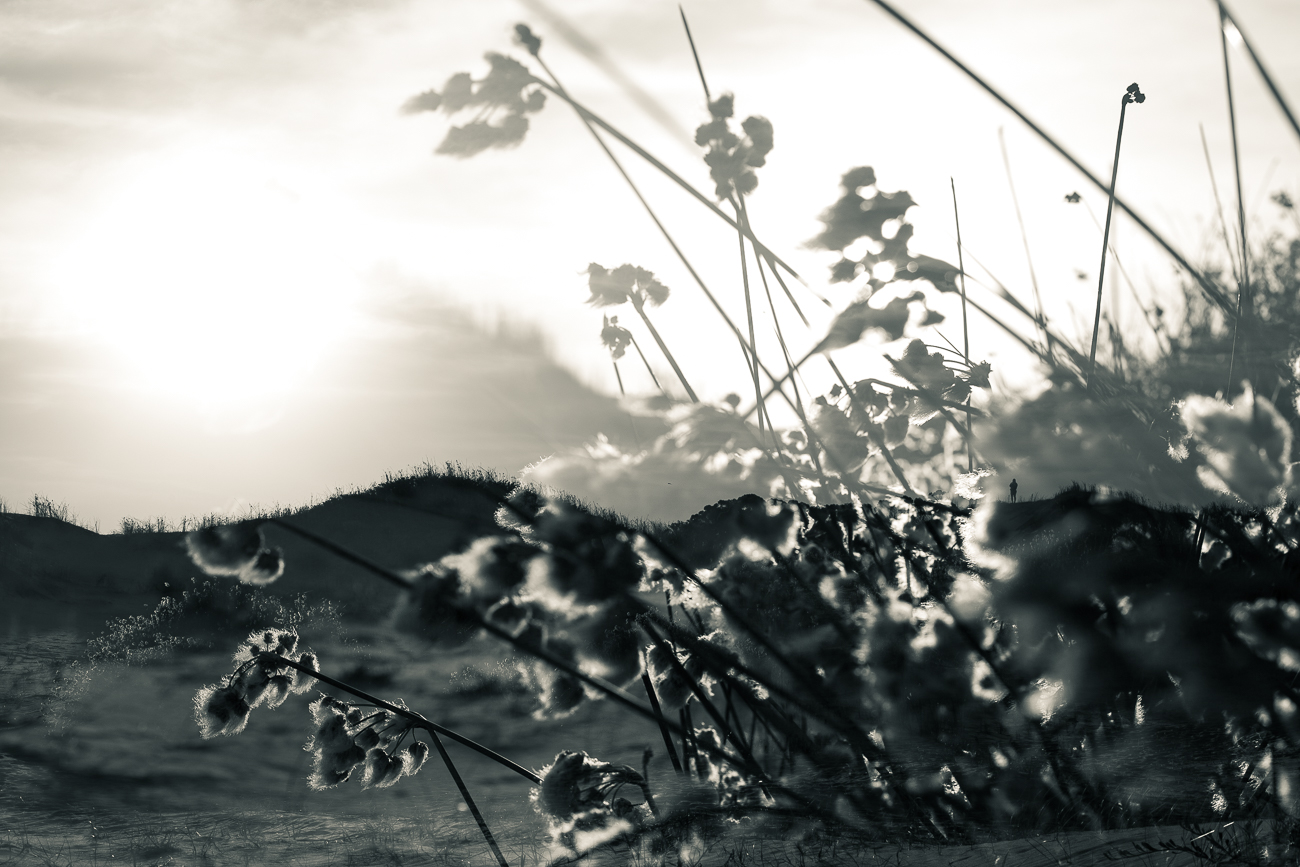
x,y
301,681
381,770
220,710
225,549
524,36
332,768
277,690
417,753
437,609
267,566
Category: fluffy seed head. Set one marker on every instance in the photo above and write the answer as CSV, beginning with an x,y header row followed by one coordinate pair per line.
x,y
418,753
226,549
303,682
220,710
381,770
266,566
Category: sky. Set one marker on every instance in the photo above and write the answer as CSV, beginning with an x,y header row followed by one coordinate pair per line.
x,y
232,273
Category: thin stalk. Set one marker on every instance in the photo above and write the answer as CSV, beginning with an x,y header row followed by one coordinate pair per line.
x,y
1130,95
592,51
635,436
469,801
749,309
387,574
1243,285
1024,236
749,233
740,233
639,306
698,66
646,362
785,353
961,269
1206,284
1152,322
663,724
1259,65
1218,209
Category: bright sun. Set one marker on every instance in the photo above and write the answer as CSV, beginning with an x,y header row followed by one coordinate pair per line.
x,y
218,278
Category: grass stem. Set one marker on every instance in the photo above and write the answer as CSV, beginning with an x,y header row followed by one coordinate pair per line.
x,y
1133,94
663,724
1024,238
961,270
1243,284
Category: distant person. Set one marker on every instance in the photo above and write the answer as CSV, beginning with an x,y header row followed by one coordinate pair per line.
x,y
1014,488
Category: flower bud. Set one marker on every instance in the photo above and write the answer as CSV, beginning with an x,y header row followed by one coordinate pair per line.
x,y
418,753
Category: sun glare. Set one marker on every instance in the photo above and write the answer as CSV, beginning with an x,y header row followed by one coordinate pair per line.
x,y
218,279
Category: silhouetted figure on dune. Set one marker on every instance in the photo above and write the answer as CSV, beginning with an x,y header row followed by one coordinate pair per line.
x,y
1014,488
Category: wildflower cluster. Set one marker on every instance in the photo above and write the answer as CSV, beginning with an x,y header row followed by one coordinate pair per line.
x,y
350,736
502,100
732,158
261,676
622,284
581,799
869,228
